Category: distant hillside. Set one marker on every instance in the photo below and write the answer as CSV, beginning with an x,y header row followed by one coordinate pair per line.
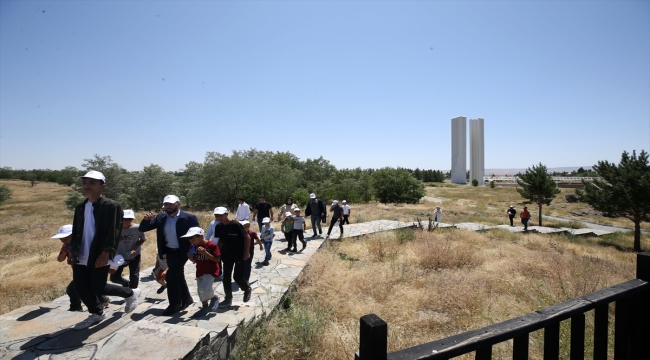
x,y
489,172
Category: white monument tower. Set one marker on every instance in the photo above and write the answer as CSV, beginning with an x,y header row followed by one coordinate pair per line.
x,y
476,151
458,150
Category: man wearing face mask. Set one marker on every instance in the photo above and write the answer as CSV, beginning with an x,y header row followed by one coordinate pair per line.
x,y
170,226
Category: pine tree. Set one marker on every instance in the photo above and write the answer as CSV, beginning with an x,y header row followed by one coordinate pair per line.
x,y
624,190
538,187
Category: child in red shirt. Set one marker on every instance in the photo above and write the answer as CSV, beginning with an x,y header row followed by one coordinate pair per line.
x,y
205,254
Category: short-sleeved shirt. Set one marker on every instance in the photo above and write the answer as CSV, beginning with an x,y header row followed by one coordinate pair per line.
x,y
210,232
337,212
346,209
231,238
253,236
128,239
298,223
203,264
263,210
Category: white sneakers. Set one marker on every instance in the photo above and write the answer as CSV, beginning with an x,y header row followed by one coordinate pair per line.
x,y
91,320
132,301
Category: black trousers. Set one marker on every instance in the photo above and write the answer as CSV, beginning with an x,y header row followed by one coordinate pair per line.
x,y
511,217
332,222
90,284
298,235
291,241
177,290
237,275
72,294
345,219
134,273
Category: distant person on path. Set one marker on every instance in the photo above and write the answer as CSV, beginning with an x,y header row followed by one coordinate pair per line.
x,y
243,210
170,226
96,230
511,214
315,209
267,234
262,210
286,208
437,214
129,247
346,212
525,217
234,243
337,216
254,238
299,227
206,257
287,229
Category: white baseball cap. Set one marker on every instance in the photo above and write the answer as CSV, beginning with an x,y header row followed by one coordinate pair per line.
x,y
344,201
171,199
312,196
129,214
288,213
92,174
220,210
64,231
244,222
265,220
335,202
193,231
296,210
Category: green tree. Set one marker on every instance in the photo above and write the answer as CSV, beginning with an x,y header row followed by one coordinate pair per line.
x,y
151,186
68,176
396,185
624,190
5,193
538,187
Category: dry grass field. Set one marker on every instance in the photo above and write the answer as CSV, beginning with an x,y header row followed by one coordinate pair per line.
x,y
425,285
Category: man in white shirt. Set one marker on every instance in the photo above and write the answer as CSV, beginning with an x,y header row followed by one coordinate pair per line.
x,y
243,210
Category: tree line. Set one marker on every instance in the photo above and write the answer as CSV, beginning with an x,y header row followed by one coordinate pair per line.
x,y
220,179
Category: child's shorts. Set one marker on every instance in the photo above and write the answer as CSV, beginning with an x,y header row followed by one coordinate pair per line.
x,y
205,285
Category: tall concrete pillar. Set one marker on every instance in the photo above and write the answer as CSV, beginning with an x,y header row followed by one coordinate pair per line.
x,y
458,150
476,151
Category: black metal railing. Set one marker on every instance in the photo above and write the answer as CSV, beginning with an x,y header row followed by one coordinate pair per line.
x,y
631,328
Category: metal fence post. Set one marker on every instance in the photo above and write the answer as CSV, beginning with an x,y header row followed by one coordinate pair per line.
x,y
373,339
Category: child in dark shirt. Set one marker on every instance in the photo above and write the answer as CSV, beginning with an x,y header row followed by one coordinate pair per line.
x,y
205,255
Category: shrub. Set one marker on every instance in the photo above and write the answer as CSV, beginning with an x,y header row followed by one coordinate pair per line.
x,y
474,182
5,193
492,184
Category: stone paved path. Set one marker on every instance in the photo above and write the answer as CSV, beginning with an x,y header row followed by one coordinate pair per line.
x,y
45,331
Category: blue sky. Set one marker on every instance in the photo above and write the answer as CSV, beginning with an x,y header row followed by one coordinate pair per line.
x,y
361,83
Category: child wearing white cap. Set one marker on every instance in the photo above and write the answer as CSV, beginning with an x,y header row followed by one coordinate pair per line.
x,y
299,227
287,228
267,235
129,247
65,235
206,257
337,218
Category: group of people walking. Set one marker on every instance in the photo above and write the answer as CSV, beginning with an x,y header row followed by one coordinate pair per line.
x,y
103,240
524,215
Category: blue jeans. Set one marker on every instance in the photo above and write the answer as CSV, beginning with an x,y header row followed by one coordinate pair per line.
x,y
267,249
315,222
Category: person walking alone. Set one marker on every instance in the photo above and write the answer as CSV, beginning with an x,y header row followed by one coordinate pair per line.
x,y
337,217
525,217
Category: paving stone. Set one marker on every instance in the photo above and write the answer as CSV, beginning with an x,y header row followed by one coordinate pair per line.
x,y
149,340
473,226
